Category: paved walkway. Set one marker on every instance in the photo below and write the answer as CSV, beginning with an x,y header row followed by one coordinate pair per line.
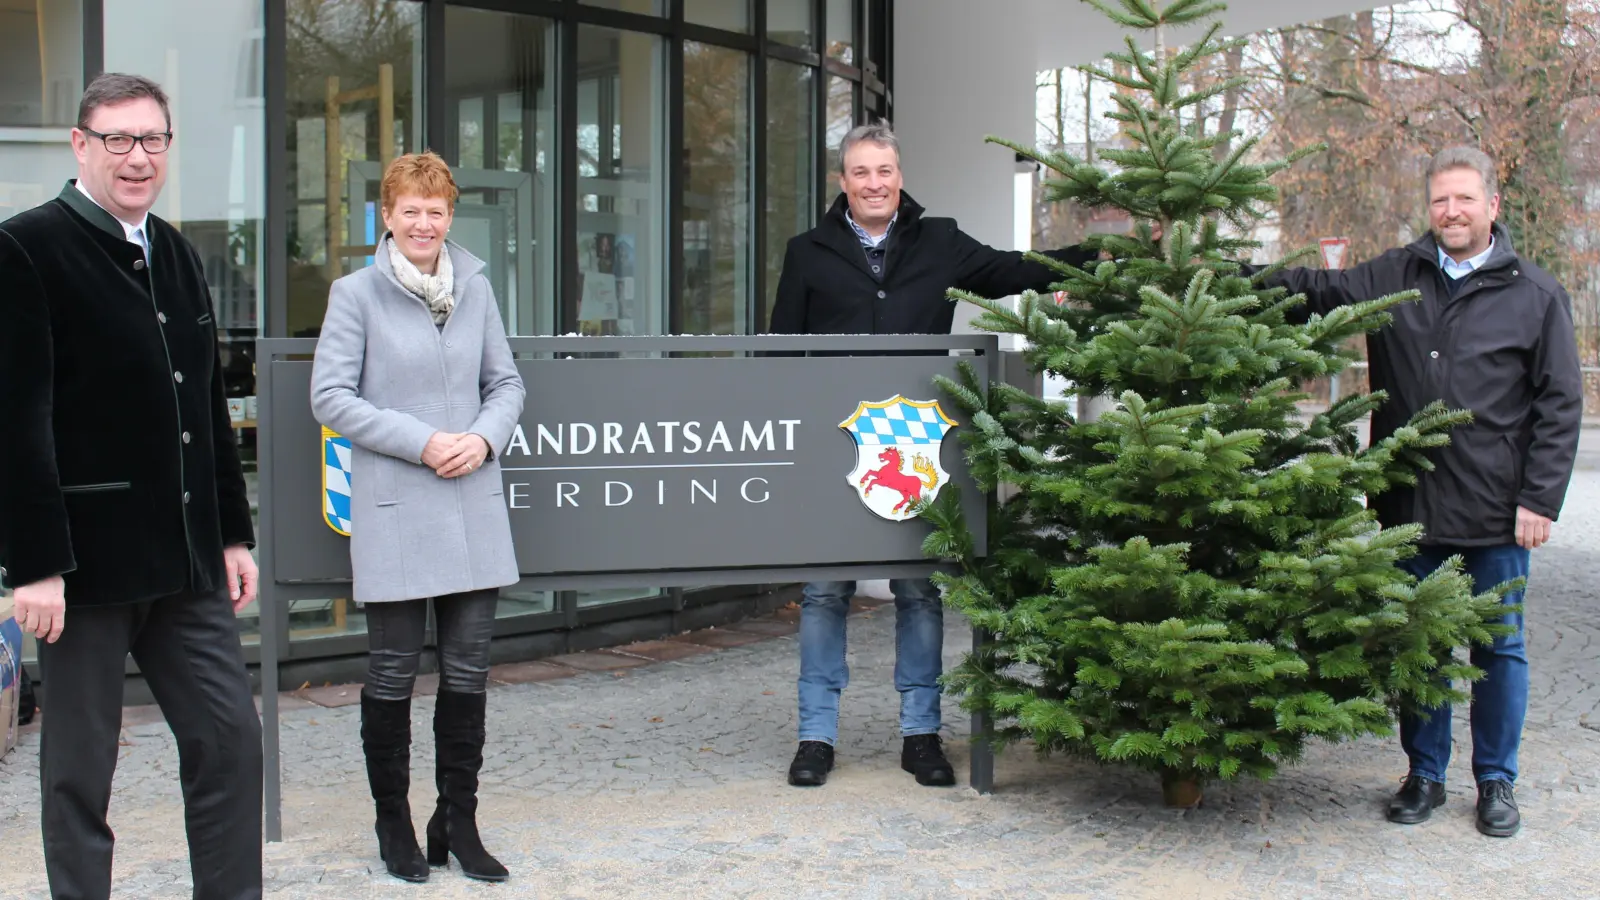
x,y
657,771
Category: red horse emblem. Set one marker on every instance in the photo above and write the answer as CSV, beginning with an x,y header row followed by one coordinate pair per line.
x,y
909,486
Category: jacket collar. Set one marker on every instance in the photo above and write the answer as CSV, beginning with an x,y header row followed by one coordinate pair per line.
x,y
464,264
834,230
91,211
909,212
1502,256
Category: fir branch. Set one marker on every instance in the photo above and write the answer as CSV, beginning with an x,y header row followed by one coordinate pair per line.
x,y
1182,12
1134,17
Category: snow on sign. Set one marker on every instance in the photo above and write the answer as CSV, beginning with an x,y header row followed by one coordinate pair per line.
x,y
1333,252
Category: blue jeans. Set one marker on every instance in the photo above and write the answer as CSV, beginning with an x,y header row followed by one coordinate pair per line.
x,y
918,646
1499,699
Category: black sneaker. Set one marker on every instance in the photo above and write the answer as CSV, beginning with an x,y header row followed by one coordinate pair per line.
x,y
1497,809
812,763
923,757
1417,799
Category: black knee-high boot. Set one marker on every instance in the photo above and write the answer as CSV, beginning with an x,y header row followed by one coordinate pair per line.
x,y
458,733
386,740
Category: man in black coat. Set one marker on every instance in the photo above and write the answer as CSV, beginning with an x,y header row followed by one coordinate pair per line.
x,y
1493,334
877,265
124,523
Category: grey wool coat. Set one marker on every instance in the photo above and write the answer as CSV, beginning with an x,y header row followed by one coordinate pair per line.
x,y
387,378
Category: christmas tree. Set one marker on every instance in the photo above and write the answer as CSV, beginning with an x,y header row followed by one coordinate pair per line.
x,y
1191,583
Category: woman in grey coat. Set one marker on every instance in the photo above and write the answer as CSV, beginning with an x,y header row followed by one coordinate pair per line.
x,y
414,368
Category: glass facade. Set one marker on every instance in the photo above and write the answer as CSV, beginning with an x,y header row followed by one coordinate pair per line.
x,y
841,114
728,15
500,100
792,22
642,7
41,77
791,179
627,167
621,154
717,149
354,102
841,31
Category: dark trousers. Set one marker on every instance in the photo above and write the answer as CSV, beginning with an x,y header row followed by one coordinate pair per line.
x,y
396,630
187,648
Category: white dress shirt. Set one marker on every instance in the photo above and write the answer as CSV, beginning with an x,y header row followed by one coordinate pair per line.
x,y
136,234
1457,270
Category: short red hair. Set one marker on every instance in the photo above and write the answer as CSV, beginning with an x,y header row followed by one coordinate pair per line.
x,y
424,175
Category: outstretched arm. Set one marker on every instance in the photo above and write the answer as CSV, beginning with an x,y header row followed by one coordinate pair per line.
x,y
1326,289
988,272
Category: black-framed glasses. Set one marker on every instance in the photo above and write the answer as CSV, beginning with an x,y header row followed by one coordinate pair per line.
x,y
122,144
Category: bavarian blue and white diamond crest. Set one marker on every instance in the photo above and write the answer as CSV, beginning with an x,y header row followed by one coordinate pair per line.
x,y
897,454
899,421
336,481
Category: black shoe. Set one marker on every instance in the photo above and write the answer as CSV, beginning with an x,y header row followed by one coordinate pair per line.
x,y
812,763
1497,809
386,742
458,734
923,756
1416,801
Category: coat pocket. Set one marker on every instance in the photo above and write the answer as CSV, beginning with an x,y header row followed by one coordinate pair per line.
x,y
100,488
111,531
491,473
385,492
1472,495
1519,463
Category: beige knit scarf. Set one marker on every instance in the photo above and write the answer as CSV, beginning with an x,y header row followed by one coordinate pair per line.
x,y
435,290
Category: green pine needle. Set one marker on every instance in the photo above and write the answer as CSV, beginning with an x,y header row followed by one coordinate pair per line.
x,y
1191,582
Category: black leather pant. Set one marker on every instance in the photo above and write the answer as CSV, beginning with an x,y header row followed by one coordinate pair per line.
x,y
395,632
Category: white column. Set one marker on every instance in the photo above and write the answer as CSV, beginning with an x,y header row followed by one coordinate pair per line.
x,y
964,70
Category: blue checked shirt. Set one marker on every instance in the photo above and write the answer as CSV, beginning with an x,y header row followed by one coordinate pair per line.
x,y
868,240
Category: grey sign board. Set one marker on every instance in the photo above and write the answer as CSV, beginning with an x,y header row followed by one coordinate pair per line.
x,y
697,470
665,461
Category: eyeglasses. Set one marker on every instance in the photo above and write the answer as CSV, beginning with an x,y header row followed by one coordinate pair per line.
x,y
122,144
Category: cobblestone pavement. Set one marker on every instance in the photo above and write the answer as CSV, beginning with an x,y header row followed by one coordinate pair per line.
x,y
657,771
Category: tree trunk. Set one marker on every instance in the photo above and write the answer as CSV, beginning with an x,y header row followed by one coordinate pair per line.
x,y
1180,789
1234,63
1522,52
1088,117
1061,111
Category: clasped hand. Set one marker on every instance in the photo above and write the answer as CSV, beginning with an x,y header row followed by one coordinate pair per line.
x,y
454,455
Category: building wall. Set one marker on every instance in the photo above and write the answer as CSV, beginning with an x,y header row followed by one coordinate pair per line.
x,y
960,75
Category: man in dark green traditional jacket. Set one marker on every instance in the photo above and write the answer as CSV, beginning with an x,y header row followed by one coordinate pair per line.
x,y
124,523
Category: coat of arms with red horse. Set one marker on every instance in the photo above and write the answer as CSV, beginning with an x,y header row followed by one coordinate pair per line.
x,y
897,454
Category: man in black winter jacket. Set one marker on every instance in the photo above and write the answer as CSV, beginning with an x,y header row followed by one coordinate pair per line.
x,y
877,265
1493,334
